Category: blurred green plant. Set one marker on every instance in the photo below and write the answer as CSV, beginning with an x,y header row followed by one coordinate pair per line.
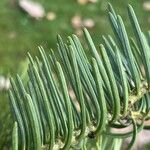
x,y
25,33
6,122
75,101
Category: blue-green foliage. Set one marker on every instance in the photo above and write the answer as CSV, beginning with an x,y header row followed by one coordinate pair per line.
x,y
72,101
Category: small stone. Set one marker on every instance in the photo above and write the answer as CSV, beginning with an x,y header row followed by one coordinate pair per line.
x,y
82,2
89,23
7,83
51,16
146,5
92,1
76,21
2,82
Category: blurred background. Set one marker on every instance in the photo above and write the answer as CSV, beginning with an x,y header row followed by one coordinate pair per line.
x,y
26,24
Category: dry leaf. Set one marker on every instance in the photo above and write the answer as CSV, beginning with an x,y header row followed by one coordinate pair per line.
x,y
34,9
76,21
89,23
51,16
146,5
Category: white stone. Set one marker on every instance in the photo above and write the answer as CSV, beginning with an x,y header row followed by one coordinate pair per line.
x,y
34,9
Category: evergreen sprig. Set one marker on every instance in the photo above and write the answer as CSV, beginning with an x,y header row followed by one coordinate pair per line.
x,y
74,101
